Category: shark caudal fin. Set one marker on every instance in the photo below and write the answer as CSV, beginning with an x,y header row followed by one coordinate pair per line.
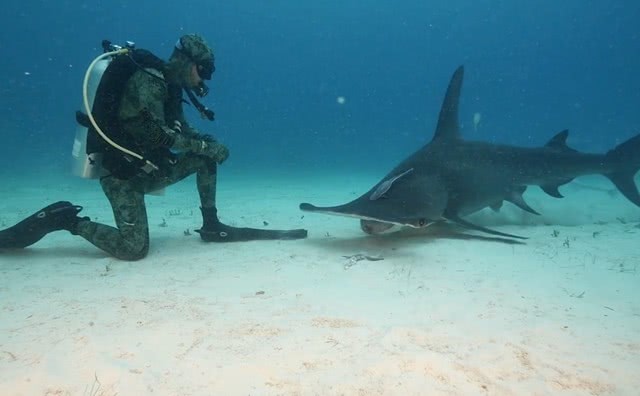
x,y
625,160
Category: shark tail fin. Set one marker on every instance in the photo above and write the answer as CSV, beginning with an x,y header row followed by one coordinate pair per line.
x,y
625,162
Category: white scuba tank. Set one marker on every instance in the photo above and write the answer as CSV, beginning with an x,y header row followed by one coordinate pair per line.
x,y
89,166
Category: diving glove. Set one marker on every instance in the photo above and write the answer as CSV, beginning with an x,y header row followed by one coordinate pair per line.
x,y
215,231
58,216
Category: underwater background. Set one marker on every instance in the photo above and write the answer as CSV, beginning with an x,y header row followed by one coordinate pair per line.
x,y
316,101
283,68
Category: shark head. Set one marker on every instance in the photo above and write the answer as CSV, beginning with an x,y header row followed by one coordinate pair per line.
x,y
411,199
414,193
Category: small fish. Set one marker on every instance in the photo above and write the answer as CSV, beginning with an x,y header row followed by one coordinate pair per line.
x,y
386,185
477,117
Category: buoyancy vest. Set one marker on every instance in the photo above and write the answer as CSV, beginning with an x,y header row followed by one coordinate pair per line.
x,y
105,110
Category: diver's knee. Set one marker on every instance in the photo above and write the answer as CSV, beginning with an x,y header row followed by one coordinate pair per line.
x,y
131,252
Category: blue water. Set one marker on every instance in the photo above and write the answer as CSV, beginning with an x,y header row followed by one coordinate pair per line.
x,y
532,69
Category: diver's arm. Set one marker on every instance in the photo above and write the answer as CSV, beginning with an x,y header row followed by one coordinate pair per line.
x,y
201,144
142,113
204,144
174,111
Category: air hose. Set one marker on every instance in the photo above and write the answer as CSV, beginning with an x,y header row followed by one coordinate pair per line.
x,y
148,165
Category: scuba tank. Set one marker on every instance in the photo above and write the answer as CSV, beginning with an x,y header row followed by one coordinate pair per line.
x,y
89,165
88,151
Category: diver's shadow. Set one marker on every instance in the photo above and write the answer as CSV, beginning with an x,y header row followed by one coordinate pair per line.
x,y
53,253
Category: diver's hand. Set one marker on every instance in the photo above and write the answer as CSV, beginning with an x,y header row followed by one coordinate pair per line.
x,y
205,137
212,149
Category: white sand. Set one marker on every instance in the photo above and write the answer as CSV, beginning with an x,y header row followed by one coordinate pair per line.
x,y
445,312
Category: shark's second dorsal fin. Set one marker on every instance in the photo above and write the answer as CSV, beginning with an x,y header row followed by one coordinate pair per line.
x,y
559,141
448,128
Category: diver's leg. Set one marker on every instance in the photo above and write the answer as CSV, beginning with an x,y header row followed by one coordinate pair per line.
x,y
213,230
130,240
206,178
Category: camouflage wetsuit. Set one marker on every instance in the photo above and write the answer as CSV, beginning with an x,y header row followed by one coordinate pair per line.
x,y
141,108
146,104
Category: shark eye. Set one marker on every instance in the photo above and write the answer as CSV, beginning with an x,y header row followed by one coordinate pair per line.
x,y
422,222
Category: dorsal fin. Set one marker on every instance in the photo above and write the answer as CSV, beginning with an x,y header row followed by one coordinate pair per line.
x,y
448,120
559,141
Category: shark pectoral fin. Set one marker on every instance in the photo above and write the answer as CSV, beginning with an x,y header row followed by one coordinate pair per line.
x,y
517,199
624,182
456,219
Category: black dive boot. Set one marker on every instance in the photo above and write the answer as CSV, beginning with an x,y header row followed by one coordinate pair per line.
x,y
214,231
58,216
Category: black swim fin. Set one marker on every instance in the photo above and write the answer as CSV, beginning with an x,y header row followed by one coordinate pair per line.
x,y
58,216
225,233
215,231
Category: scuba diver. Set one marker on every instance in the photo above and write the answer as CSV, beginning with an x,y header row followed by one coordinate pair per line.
x,y
137,142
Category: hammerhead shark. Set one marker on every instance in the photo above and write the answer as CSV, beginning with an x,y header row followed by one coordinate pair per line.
x,y
450,177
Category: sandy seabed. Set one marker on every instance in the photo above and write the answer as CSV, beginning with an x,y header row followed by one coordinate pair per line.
x,y
441,311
